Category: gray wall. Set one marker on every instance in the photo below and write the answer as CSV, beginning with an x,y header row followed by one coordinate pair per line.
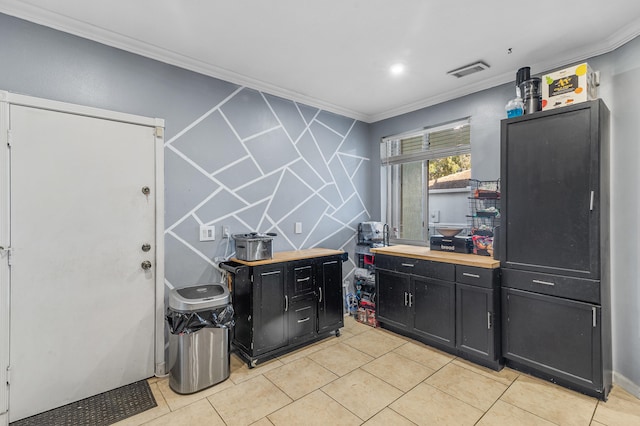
x,y
234,157
620,89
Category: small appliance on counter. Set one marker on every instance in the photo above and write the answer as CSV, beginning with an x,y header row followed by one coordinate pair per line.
x,y
254,246
450,241
528,94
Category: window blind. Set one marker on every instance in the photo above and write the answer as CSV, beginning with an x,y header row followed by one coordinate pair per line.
x,y
427,144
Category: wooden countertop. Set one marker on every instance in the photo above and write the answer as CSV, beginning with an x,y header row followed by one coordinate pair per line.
x,y
426,253
286,256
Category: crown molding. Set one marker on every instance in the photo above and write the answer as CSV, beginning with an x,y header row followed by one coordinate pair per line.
x,y
81,29
72,26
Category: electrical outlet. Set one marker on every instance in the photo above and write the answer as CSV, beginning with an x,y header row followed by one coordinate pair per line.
x,y
207,232
226,233
298,228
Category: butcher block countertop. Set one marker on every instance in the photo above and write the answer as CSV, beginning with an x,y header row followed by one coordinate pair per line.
x,y
286,256
425,253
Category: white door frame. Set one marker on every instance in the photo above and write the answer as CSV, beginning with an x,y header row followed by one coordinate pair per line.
x,y
7,99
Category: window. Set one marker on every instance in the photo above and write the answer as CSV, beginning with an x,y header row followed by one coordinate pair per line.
x,y
427,174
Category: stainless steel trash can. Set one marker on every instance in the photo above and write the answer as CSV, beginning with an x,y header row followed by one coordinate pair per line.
x,y
198,345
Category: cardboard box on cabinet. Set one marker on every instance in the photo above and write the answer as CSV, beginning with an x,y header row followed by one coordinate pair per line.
x,y
568,86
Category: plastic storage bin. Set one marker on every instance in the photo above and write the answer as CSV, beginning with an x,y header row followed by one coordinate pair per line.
x,y
199,319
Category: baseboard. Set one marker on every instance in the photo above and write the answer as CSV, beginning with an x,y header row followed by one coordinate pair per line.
x,y
626,384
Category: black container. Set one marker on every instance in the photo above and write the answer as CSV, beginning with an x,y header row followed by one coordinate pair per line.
x,y
523,74
531,93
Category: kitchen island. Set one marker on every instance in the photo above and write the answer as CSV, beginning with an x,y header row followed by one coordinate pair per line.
x,y
448,300
288,301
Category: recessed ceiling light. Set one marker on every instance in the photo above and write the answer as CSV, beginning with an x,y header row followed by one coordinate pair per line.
x,y
397,69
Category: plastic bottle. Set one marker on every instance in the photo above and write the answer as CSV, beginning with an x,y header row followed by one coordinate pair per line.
x,y
514,108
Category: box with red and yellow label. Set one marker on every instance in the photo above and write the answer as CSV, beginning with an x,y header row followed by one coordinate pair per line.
x,y
568,86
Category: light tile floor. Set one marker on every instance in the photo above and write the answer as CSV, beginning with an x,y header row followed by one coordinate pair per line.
x,y
373,377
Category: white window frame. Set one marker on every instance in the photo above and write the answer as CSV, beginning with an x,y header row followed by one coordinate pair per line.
x,y
424,156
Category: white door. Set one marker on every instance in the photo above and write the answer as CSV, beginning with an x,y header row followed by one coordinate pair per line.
x,y
82,307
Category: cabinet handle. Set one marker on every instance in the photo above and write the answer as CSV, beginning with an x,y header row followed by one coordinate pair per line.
x,y
543,282
410,300
466,274
303,279
269,273
408,265
303,320
331,263
488,320
320,298
286,303
591,201
593,316
406,298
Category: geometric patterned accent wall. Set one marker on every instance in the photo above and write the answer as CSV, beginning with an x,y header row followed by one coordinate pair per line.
x,y
256,162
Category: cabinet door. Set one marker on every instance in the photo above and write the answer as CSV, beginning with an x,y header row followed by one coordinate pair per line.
x,y
329,282
392,298
556,336
551,190
475,321
270,304
433,305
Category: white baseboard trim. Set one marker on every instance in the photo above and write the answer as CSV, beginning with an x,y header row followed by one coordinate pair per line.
x,y
626,384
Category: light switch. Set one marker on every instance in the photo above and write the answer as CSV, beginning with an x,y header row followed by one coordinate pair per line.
x,y
298,229
207,232
434,216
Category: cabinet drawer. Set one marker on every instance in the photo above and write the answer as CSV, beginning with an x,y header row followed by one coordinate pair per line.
x,y
553,285
408,265
303,279
481,277
388,263
302,319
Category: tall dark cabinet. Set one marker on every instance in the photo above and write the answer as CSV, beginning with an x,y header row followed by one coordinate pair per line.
x,y
554,246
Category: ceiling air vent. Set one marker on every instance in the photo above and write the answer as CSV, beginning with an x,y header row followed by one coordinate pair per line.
x,y
469,69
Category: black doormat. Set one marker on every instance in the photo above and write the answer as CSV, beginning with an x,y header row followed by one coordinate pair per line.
x,y
100,410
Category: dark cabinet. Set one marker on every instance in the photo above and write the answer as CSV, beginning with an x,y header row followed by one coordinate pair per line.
x,y
555,245
476,322
282,305
411,301
392,297
414,304
452,307
561,337
433,304
269,324
330,298
551,188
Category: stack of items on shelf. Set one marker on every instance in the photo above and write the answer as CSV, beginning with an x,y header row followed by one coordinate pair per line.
x,y
362,303
484,203
365,283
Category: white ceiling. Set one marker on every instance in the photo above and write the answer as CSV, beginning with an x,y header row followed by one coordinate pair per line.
x,y
336,54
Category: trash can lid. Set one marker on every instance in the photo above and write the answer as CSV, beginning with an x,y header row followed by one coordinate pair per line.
x,y
198,298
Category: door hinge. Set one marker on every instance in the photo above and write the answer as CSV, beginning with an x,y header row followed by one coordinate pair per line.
x,y
159,132
593,316
489,320
8,375
9,138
